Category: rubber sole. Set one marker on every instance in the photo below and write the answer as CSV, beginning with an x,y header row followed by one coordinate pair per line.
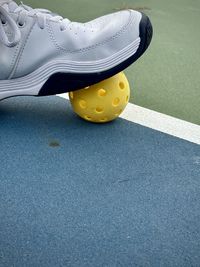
x,y
66,82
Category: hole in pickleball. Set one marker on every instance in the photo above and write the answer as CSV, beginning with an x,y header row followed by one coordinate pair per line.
x,y
82,104
102,92
99,110
121,85
116,102
103,120
118,113
88,118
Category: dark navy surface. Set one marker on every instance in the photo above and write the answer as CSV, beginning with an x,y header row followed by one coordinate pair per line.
x,y
79,194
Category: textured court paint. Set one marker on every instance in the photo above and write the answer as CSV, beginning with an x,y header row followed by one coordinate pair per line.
x,y
116,194
166,79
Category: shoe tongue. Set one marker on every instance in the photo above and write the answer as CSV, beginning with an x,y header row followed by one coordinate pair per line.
x,y
8,5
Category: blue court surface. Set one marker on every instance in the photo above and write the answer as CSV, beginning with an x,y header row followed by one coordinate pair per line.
x,y
74,193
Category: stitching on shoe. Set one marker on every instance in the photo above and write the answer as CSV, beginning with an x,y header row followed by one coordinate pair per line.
x,y
12,65
89,47
18,60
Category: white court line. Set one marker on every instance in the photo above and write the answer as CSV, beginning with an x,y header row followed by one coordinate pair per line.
x,y
160,122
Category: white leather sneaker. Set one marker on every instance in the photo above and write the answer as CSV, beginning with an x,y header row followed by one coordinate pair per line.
x,y
43,54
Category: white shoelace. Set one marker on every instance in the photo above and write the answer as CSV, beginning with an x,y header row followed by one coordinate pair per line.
x,y
42,15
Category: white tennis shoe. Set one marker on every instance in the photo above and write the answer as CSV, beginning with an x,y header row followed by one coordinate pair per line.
x,y
43,54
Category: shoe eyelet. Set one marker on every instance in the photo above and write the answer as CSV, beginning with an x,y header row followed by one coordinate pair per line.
x,y
3,22
62,29
20,25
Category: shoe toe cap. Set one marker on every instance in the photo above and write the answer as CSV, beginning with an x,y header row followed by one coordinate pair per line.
x,y
123,24
100,38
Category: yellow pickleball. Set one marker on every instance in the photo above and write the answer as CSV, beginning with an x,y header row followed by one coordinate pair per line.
x,y
102,102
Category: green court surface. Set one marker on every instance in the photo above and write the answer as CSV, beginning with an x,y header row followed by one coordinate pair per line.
x,y
167,78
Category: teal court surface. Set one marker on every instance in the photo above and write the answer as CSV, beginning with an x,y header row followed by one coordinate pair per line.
x,y
74,193
124,193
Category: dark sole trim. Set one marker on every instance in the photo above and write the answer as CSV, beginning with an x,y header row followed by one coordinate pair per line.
x,y
66,82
